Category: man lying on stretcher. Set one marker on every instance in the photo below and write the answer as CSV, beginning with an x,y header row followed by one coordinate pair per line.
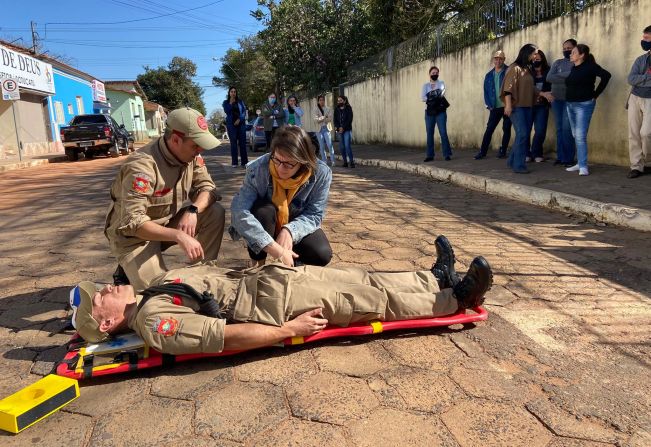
x,y
191,309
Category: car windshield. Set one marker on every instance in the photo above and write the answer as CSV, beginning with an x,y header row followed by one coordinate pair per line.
x,y
88,119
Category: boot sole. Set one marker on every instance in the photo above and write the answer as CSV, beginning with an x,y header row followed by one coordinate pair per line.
x,y
481,262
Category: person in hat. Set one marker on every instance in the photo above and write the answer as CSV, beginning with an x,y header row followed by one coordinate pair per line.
x,y
492,86
163,195
271,303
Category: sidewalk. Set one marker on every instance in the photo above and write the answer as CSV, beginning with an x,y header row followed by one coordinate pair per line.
x,y
28,162
606,195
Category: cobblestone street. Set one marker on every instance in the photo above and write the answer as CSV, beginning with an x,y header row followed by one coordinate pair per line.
x,y
563,360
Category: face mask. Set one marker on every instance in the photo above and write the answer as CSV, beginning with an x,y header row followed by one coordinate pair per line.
x,y
646,46
536,63
566,53
272,100
434,77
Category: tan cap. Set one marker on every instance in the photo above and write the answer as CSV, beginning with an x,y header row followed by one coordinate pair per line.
x,y
192,124
500,54
81,302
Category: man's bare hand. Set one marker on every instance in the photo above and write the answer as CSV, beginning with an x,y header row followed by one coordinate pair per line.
x,y
308,323
190,246
188,224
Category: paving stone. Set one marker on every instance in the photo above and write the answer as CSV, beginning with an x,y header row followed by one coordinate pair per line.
x,y
60,429
101,396
297,433
476,422
26,315
569,442
397,428
239,411
500,296
359,256
401,253
567,425
488,383
162,420
423,390
188,380
366,244
276,366
331,398
368,358
424,351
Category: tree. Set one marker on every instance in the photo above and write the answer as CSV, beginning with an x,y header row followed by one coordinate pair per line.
x,y
172,86
216,120
248,70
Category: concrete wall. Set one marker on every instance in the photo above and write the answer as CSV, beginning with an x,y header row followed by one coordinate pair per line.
x,y
389,110
68,88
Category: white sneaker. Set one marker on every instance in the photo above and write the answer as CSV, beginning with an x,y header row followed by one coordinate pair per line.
x,y
539,159
572,168
528,159
584,171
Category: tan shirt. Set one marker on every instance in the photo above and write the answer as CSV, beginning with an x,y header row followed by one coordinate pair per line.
x,y
519,82
152,185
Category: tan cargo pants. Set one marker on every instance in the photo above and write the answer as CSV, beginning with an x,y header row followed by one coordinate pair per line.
x,y
145,262
639,131
277,293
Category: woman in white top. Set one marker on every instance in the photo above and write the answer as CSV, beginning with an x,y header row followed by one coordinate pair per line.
x,y
323,118
433,94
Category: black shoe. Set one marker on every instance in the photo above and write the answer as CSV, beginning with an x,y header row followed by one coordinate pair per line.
x,y
120,277
428,159
479,279
558,162
501,154
634,173
345,165
479,156
443,268
568,165
352,164
448,158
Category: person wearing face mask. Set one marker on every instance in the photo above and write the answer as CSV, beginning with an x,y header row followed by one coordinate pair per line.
x,y
344,126
293,112
433,95
273,117
280,206
540,107
519,96
639,108
581,98
560,69
492,86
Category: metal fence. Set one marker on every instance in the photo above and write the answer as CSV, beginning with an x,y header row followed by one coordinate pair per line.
x,y
483,23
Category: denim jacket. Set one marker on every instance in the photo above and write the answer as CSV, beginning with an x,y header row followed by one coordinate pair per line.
x,y
298,114
226,105
305,212
489,86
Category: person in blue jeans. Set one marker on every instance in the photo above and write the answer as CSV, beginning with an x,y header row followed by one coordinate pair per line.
x,y
344,126
519,96
492,87
540,67
433,95
235,111
323,119
581,100
559,71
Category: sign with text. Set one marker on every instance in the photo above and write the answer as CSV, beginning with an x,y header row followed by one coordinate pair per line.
x,y
26,71
99,94
10,90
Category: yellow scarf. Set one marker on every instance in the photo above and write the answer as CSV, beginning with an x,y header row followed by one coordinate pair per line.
x,y
283,193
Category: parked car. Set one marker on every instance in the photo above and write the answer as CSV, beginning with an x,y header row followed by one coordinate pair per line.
x,y
255,134
95,134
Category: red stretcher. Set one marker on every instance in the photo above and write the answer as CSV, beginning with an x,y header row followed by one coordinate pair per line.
x,y
128,353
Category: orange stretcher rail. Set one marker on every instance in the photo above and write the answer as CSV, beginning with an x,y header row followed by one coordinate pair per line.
x,y
79,364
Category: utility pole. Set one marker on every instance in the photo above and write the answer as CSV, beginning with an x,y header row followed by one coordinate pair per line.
x,y
34,37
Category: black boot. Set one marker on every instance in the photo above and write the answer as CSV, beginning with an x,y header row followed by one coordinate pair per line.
x,y
120,277
479,279
443,268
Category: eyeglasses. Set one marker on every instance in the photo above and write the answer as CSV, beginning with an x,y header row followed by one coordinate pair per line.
x,y
284,164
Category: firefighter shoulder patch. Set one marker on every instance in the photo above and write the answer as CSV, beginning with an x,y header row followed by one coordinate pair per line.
x,y
165,326
141,183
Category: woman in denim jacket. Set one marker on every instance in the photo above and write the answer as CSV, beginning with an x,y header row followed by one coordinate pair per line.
x,y
280,206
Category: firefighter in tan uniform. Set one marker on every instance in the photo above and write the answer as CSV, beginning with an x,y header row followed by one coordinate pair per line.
x,y
270,303
164,195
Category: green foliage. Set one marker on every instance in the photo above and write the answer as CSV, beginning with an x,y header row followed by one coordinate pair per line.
x,y
248,70
172,86
216,121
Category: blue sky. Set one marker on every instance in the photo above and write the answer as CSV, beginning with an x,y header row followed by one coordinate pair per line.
x,y
85,32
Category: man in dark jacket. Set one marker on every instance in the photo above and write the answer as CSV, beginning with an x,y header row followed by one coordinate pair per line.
x,y
492,86
639,108
344,126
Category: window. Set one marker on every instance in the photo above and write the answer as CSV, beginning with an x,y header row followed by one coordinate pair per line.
x,y
58,112
71,111
80,105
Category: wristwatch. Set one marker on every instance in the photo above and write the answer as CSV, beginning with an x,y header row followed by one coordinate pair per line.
x,y
193,209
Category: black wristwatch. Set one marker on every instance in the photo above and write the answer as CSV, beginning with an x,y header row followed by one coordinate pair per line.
x,y
193,209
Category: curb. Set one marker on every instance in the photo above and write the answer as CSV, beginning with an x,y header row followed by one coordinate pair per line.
x,y
611,213
32,163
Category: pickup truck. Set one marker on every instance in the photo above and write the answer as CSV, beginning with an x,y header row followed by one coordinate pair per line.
x,y
93,135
